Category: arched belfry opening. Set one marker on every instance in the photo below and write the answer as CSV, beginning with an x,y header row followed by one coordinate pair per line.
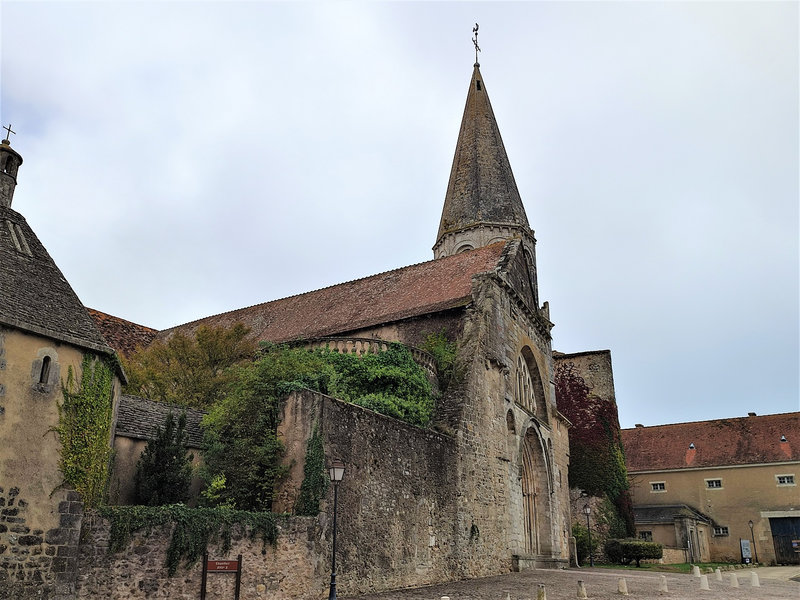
x,y
528,388
536,495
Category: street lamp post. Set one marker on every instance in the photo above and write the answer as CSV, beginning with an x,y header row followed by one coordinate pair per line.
x,y
587,510
336,472
753,537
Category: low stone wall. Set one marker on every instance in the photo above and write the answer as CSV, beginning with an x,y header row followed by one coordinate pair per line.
x,y
397,509
294,568
38,563
396,519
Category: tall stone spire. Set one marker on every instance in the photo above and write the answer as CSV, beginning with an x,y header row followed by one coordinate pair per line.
x,y
482,205
10,161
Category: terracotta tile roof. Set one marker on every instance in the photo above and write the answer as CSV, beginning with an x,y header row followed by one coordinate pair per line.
x,y
138,418
34,294
416,290
722,442
124,336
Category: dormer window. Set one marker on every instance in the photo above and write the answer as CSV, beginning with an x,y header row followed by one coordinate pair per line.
x,y
18,238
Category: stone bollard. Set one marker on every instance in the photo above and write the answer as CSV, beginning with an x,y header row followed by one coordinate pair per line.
x,y
718,574
695,570
754,579
508,595
704,582
445,598
581,589
622,586
541,593
662,584
734,580
709,570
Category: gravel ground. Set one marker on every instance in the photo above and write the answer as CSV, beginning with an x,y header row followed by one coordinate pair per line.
x,y
600,584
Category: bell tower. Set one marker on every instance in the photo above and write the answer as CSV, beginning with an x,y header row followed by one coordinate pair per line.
x,y
10,161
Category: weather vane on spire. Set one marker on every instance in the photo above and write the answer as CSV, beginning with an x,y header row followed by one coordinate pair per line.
x,y
475,41
9,131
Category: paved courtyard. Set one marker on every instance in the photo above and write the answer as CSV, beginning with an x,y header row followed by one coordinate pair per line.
x,y
775,582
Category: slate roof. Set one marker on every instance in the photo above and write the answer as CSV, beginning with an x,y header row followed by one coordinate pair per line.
x,y
138,418
34,294
666,513
481,186
416,290
124,336
722,442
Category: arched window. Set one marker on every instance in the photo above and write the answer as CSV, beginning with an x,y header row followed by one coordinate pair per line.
x,y
523,393
44,374
528,388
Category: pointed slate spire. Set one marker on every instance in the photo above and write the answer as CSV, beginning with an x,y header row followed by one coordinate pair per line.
x,y
482,204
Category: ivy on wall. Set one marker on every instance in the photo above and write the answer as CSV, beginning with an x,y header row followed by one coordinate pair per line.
x,y
315,480
84,429
597,458
444,353
193,528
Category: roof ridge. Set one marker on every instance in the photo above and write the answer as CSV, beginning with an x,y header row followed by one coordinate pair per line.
x,y
327,287
710,421
89,308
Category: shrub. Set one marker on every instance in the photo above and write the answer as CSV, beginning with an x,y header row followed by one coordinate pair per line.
x,y
164,471
581,535
626,551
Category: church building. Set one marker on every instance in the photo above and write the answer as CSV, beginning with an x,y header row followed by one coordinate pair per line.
x,y
482,491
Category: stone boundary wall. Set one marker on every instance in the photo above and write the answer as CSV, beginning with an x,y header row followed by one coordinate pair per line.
x,y
397,501
396,518
37,563
294,568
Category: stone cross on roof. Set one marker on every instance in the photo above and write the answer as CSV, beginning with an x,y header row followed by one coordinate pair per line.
x,y
9,131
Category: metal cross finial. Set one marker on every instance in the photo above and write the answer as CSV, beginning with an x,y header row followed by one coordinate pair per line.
x,y
9,130
475,41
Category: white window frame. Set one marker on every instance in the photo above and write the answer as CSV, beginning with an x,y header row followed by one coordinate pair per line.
x,y
714,487
787,483
653,485
721,531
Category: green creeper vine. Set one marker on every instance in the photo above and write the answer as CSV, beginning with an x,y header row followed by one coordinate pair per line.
x,y
193,528
315,482
84,427
444,352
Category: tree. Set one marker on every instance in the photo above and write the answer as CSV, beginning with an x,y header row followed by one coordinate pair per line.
x,y
243,452
189,370
242,455
164,470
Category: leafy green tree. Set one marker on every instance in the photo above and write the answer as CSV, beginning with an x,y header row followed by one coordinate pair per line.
x,y
243,452
389,382
189,370
164,471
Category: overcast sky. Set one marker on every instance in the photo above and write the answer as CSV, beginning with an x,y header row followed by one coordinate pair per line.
x,y
188,158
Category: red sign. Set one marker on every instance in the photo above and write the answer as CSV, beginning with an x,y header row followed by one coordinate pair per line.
x,y
223,566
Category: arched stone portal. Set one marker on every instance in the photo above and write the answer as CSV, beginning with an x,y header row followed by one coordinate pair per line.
x,y
536,495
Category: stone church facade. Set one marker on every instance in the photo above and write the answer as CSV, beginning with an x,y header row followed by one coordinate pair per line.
x,y
483,491
510,461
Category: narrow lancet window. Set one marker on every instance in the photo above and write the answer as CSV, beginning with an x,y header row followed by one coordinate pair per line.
x,y
44,375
